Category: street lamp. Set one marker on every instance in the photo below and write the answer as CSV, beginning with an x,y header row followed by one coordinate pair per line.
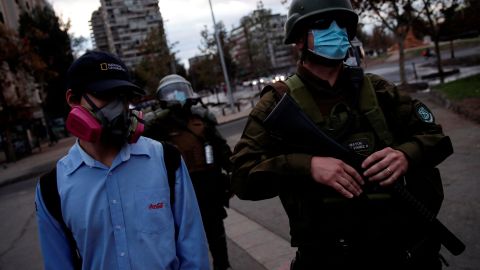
x,y
222,60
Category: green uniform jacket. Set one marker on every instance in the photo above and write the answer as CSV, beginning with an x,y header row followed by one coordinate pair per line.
x,y
264,167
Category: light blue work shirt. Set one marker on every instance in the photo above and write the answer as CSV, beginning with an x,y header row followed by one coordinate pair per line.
x,y
120,216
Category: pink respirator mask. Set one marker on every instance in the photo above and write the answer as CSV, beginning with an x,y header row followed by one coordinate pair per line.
x,y
83,124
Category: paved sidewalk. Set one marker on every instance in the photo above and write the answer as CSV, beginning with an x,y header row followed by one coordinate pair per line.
x,y
270,250
35,164
232,117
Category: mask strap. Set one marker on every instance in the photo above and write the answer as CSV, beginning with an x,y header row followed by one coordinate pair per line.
x,y
90,102
139,119
305,48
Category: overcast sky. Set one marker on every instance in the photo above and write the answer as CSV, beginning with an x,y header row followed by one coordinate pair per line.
x,y
183,19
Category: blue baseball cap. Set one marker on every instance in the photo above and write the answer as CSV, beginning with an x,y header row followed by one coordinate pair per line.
x,y
101,74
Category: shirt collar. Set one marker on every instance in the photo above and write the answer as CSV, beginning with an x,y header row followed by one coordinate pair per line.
x,y
77,156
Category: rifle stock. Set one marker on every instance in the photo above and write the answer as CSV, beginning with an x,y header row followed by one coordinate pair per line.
x,y
291,123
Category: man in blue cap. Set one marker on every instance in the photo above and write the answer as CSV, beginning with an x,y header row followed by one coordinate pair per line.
x,y
115,206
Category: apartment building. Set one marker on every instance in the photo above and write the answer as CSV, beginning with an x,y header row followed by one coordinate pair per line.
x,y
120,26
281,55
258,49
98,32
10,10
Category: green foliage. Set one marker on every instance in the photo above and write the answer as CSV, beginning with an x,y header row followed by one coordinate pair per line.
x,y
18,53
460,19
460,89
256,29
206,72
397,16
157,60
379,40
208,44
79,44
48,37
18,63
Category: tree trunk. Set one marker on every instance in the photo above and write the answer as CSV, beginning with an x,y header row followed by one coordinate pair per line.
x,y
251,67
8,146
7,143
439,60
401,60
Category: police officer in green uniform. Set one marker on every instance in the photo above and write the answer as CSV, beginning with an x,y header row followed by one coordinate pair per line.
x,y
183,121
341,218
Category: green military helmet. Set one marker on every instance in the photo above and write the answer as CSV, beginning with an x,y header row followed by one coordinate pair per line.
x,y
175,88
302,13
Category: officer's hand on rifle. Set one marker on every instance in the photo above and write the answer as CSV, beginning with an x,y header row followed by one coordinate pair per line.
x,y
385,166
337,174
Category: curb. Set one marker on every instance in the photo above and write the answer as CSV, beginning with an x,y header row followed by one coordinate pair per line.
x,y
232,120
238,116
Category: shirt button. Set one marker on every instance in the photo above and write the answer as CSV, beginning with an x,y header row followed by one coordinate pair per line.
x,y
110,173
118,227
114,201
122,254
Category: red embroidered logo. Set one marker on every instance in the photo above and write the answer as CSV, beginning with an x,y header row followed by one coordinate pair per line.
x,y
154,206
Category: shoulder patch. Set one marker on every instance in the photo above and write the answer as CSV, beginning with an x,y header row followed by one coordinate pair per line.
x,y
423,113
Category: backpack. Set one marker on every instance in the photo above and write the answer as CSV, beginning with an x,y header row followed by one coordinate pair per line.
x,y
51,197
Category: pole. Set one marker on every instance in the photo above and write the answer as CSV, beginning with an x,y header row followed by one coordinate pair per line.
x,y
414,71
222,60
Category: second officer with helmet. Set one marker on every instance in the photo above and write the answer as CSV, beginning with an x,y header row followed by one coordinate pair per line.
x,y
184,121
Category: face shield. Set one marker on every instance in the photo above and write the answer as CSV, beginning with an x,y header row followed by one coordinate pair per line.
x,y
177,91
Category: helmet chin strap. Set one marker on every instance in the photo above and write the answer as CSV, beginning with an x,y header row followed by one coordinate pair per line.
x,y
356,54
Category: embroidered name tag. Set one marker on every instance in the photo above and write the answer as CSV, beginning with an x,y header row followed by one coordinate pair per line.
x,y
154,206
359,145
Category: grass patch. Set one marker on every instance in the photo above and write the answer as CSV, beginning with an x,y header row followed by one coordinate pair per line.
x,y
468,87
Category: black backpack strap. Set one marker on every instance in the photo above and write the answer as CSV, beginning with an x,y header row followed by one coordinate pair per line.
x,y
171,157
51,199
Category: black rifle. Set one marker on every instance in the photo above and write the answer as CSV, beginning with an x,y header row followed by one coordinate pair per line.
x,y
291,123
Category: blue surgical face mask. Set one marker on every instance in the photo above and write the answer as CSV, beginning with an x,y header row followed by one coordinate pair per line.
x,y
331,43
180,97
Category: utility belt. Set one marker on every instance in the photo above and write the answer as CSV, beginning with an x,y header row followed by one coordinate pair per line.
x,y
370,196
